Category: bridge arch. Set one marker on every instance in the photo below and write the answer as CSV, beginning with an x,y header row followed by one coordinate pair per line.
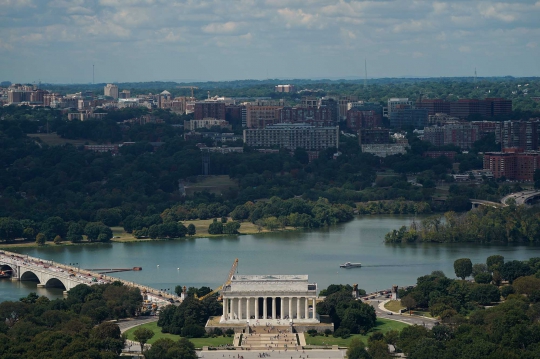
x,y
30,276
55,283
6,268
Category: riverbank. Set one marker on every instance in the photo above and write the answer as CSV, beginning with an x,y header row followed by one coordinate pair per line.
x,y
121,236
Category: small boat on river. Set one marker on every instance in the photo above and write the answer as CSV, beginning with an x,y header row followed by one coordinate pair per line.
x,y
350,265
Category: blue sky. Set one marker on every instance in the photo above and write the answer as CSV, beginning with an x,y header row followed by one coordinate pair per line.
x,y
153,40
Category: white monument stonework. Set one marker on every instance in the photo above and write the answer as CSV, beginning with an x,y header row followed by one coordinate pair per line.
x,y
276,299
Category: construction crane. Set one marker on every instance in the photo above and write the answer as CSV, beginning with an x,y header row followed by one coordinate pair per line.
x,y
189,87
229,279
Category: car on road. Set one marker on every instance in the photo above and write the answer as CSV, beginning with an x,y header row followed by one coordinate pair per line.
x,y
390,313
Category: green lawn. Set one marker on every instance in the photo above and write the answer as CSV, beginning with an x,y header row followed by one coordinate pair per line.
x,y
383,325
198,342
394,305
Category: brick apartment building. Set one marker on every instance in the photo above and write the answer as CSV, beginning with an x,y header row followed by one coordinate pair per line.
x,y
210,109
523,135
513,164
359,119
315,116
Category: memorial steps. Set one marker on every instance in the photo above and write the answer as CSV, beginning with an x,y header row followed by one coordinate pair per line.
x,y
270,338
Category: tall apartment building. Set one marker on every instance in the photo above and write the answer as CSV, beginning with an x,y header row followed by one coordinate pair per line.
x,y
397,103
285,88
333,106
434,135
359,119
212,109
292,136
523,135
261,113
317,116
408,117
343,103
111,90
462,135
513,165
373,136
464,108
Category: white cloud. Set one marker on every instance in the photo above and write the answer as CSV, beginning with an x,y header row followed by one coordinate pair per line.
x,y
221,28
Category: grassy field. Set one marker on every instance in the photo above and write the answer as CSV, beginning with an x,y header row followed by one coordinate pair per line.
x,y
383,325
201,226
52,139
198,342
212,184
394,305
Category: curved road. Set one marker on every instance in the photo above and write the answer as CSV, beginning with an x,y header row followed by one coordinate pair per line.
x,y
521,197
377,303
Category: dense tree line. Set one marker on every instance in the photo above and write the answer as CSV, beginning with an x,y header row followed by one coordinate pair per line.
x,y
75,327
349,316
484,225
189,318
509,329
393,207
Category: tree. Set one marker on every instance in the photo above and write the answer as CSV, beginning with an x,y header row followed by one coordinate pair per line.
x,y
40,239
483,278
74,233
494,262
463,268
231,227
168,349
479,268
191,231
215,227
10,229
57,240
143,335
357,350
408,302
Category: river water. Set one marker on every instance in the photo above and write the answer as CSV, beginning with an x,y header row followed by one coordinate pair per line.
x,y
206,262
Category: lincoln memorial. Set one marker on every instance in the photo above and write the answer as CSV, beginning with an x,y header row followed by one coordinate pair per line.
x,y
276,299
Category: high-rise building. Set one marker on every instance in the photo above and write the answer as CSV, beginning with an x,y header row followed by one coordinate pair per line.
x,y
359,119
373,136
464,108
333,106
523,135
285,88
210,109
343,102
513,164
408,117
292,136
261,113
111,90
398,103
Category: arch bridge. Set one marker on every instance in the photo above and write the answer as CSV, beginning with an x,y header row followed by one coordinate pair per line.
x,y
57,275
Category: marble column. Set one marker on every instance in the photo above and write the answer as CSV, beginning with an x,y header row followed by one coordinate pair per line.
x,y
290,307
297,307
231,308
224,308
239,308
256,307
273,307
315,308
247,308
306,308
265,311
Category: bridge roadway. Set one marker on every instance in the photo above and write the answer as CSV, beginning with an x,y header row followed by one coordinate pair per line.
x,y
521,197
53,274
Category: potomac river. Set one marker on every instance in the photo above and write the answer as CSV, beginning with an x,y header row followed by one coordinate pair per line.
x,y
206,262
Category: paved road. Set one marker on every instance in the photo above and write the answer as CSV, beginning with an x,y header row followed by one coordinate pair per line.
x,y
520,197
405,318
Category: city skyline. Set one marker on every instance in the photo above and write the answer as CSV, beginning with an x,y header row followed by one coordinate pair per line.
x,y
59,41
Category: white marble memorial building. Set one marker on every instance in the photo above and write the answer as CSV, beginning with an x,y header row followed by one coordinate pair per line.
x,y
261,299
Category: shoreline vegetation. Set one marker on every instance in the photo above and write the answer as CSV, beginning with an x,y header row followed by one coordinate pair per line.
x,y
512,224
